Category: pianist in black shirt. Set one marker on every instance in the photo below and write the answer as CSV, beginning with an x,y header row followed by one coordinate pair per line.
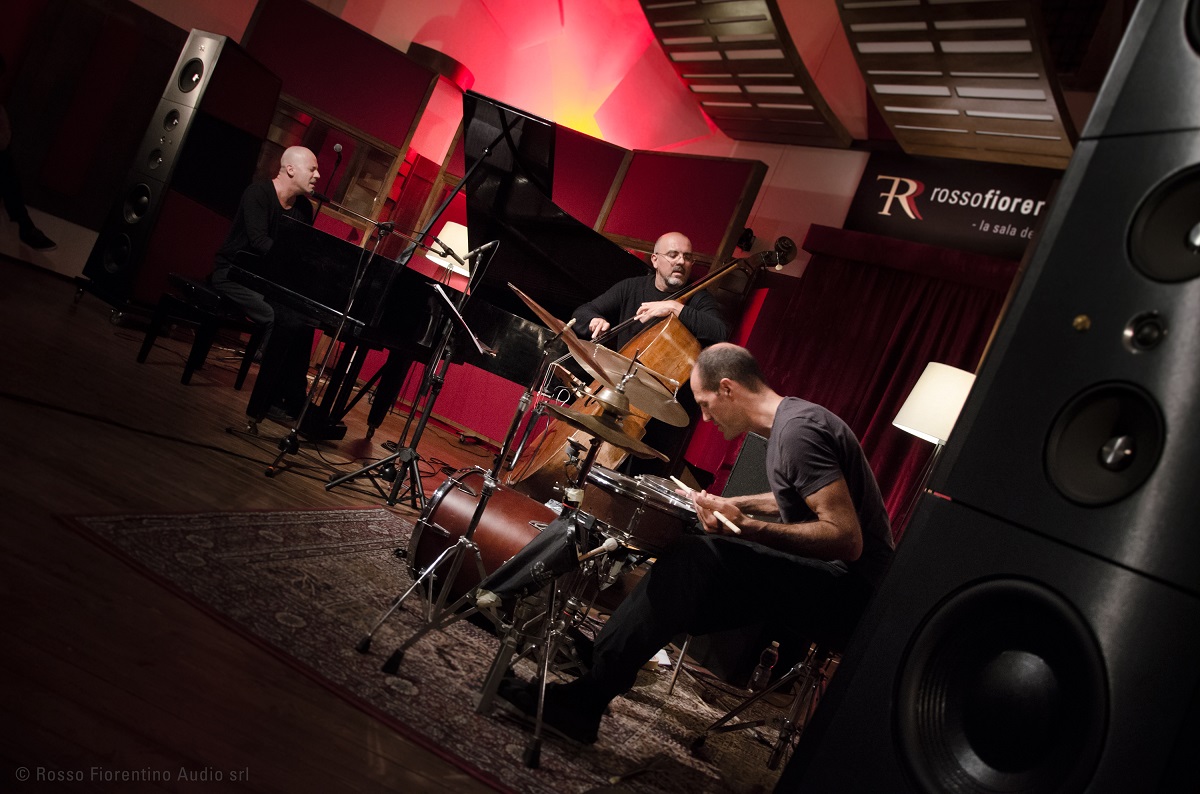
x,y
646,298
281,386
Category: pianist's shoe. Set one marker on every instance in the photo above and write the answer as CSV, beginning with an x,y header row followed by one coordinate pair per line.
x,y
33,237
281,415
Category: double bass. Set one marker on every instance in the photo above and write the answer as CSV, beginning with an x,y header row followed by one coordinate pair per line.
x,y
664,346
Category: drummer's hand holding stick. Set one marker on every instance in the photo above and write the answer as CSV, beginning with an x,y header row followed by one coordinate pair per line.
x,y
709,509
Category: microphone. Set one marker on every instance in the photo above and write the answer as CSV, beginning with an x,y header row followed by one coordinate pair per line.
x,y
573,383
481,249
321,197
448,251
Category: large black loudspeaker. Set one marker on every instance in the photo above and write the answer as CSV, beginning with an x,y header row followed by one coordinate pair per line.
x,y
183,189
749,472
1040,628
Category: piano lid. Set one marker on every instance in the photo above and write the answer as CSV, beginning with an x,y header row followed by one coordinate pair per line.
x,y
557,260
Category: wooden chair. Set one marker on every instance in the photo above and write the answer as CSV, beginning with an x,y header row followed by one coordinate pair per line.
x,y
198,304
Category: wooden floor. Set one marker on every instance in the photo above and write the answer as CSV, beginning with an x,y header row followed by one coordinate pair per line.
x,y
100,667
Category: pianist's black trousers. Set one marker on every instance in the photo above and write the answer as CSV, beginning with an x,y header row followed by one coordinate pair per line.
x,y
252,303
283,375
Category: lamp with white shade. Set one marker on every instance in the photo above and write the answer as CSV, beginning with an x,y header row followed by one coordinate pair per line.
x,y
930,412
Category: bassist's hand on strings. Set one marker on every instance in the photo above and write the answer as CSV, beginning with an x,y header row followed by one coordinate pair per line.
x,y
652,309
597,326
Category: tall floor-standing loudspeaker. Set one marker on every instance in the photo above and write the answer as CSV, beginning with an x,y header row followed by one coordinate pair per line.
x,y
183,188
1040,628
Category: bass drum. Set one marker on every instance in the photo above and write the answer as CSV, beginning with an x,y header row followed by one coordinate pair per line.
x,y
641,512
509,521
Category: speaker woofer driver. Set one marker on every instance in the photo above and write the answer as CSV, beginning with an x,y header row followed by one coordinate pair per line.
x,y
1163,235
137,202
117,253
1003,689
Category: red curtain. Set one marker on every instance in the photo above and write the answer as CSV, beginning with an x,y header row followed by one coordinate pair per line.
x,y
857,329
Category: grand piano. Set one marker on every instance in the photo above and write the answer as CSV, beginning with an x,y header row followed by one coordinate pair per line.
x,y
552,257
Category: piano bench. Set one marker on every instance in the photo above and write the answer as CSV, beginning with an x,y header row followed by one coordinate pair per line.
x,y
198,304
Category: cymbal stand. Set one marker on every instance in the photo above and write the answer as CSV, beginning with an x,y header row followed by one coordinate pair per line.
x,y
577,387
439,614
541,374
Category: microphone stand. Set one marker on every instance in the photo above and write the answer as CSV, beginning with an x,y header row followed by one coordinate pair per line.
x,y
435,368
291,443
431,386
324,199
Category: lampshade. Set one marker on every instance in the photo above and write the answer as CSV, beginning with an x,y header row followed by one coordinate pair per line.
x,y
933,405
454,235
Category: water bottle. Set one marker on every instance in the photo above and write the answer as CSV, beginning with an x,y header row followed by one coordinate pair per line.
x,y
761,677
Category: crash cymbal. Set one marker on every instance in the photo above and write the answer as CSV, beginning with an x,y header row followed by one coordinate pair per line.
x,y
580,351
603,429
647,390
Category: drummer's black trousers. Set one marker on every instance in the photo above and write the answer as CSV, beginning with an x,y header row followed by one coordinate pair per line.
x,y
703,584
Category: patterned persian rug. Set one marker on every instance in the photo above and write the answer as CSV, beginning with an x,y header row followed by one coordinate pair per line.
x,y
310,584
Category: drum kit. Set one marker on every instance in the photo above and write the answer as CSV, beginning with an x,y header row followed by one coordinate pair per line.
x,y
536,572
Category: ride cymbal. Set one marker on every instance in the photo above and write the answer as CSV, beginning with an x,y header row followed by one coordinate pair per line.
x,y
647,390
579,349
605,430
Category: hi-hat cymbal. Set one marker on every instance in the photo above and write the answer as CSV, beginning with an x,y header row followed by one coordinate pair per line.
x,y
647,389
604,430
580,351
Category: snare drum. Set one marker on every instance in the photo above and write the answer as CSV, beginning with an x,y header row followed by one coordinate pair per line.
x,y
508,523
644,512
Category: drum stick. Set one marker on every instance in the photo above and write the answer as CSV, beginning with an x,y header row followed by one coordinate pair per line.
x,y
734,528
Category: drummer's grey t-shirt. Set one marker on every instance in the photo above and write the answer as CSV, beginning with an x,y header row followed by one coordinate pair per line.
x,y
811,447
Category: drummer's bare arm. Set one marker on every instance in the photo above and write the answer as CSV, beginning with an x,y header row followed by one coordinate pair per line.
x,y
759,503
835,535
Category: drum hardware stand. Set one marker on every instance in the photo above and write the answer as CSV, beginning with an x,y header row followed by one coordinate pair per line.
x,y
438,615
546,629
578,388
810,672
542,373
